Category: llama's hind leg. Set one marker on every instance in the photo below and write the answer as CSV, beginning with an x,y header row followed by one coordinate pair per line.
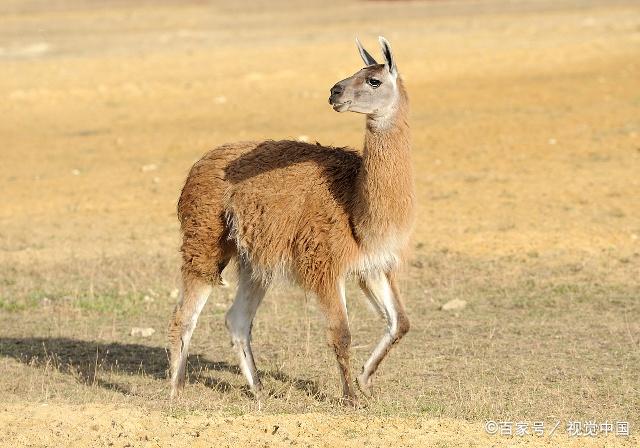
x,y
333,304
239,321
195,293
382,291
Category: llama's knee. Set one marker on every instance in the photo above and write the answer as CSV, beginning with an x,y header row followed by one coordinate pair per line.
x,y
181,327
176,326
237,325
340,339
403,326
195,292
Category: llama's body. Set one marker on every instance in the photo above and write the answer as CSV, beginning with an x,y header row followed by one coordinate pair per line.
x,y
311,213
276,205
287,208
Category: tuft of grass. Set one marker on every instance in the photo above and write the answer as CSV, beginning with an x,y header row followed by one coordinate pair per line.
x,y
19,304
12,306
112,302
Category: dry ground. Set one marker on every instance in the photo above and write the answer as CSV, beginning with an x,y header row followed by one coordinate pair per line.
x,y
526,121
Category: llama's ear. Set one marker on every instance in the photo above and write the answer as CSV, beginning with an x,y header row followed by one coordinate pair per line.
x,y
389,60
364,54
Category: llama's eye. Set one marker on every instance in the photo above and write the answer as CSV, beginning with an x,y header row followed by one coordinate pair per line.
x,y
374,83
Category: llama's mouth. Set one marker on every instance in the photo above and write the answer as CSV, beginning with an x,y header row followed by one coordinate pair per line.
x,y
341,107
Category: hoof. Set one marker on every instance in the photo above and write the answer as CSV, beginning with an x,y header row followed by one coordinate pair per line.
x,y
175,393
176,388
257,391
350,401
259,396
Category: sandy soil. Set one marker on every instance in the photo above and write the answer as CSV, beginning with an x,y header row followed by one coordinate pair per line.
x,y
99,425
526,133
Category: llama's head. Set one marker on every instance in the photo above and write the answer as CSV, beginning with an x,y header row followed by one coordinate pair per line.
x,y
372,90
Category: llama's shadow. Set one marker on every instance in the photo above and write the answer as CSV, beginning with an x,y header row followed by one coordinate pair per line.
x,y
86,359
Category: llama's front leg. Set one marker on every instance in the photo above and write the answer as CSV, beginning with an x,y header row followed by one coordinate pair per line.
x,y
334,307
239,321
382,291
195,293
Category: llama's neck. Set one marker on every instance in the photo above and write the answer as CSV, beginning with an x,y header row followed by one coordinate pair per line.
x,y
385,182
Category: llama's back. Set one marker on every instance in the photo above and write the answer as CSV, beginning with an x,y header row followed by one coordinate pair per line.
x,y
283,206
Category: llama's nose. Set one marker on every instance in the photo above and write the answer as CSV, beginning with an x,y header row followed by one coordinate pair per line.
x,y
337,89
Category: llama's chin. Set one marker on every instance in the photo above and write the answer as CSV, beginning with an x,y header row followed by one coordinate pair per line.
x,y
342,107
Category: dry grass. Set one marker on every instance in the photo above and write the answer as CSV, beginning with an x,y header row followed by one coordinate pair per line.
x,y
537,340
527,149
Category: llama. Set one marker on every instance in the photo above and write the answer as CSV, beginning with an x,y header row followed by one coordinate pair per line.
x,y
314,214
